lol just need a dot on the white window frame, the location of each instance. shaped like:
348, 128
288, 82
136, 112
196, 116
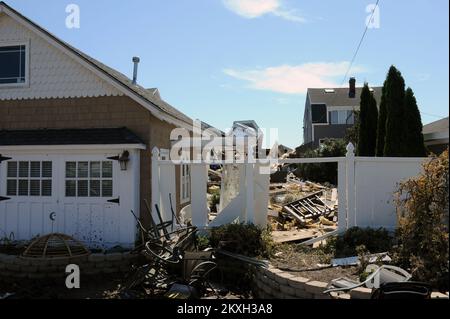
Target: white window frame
29, 178
27, 64
88, 178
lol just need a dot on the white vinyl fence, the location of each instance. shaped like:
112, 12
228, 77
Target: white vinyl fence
366, 187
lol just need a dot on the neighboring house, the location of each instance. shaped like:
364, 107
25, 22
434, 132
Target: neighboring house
435, 135
329, 112
75, 140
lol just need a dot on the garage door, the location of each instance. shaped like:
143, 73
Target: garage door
75, 195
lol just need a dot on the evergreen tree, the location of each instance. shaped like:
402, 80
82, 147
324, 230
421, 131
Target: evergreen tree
368, 119
381, 130
395, 120
414, 143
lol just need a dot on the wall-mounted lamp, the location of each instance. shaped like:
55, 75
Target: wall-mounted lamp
123, 159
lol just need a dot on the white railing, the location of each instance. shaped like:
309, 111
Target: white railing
365, 189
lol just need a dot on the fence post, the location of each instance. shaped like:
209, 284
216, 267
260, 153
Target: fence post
155, 182
249, 196
342, 196
350, 185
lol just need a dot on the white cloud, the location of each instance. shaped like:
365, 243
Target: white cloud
295, 79
255, 8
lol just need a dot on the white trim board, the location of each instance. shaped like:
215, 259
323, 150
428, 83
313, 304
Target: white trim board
30, 148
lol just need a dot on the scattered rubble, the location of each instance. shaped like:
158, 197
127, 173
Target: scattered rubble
301, 211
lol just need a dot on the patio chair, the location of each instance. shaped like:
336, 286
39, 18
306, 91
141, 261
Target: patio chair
196, 266
403, 290
378, 276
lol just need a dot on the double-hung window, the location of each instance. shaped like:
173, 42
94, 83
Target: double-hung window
13, 64
29, 178
341, 117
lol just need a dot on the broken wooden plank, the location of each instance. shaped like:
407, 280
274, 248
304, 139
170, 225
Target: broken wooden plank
292, 235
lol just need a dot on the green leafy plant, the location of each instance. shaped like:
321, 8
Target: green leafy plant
215, 200
244, 239
202, 242
373, 241
423, 217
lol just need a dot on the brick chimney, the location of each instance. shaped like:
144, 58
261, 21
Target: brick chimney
352, 88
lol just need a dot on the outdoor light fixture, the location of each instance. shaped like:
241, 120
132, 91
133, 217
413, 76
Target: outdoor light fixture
123, 159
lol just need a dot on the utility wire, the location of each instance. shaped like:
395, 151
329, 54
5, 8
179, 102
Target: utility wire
359, 44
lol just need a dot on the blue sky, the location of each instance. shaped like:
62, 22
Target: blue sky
227, 60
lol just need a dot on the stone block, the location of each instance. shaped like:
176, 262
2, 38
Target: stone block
287, 290
315, 287
302, 294
283, 277
114, 257
96, 258
298, 282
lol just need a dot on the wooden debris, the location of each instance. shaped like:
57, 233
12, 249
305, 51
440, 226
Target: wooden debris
308, 207
292, 235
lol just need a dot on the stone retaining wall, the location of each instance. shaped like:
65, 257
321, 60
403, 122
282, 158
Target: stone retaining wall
273, 283
13, 266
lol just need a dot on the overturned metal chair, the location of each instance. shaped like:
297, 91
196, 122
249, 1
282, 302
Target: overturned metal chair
163, 246
193, 282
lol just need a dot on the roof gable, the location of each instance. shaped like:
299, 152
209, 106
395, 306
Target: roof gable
339, 97
124, 86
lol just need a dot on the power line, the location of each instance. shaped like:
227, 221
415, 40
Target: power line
359, 44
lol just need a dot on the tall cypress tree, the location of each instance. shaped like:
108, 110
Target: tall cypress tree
381, 129
394, 144
368, 119
414, 143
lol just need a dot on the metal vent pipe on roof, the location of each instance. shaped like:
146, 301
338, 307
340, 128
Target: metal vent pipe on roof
136, 61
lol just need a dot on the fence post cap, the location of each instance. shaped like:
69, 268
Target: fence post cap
350, 149
155, 151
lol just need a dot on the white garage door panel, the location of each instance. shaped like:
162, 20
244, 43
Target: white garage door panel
24, 221
49, 226
84, 222
89, 219
36, 219
11, 221
96, 231
70, 214
111, 223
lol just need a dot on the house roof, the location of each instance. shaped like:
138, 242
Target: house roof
436, 126
114, 75
108, 136
340, 96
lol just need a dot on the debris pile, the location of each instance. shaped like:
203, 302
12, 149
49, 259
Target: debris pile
301, 210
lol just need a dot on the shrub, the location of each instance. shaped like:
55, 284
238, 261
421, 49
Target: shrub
322, 172
373, 240
215, 200
244, 239
422, 204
